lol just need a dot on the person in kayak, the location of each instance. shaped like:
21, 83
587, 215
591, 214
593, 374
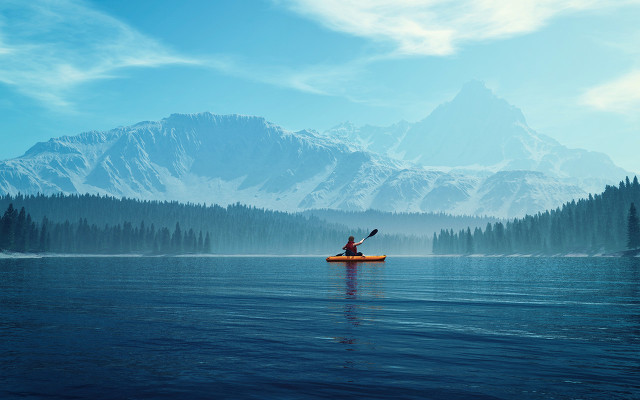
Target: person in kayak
350, 248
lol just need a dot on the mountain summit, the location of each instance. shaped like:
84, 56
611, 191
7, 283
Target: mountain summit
475, 128
478, 130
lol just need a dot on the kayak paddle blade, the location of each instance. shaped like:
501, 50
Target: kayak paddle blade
373, 233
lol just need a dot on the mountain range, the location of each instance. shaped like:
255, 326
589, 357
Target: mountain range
472, 155
478, 131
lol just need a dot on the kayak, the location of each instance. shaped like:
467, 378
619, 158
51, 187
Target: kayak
356, 258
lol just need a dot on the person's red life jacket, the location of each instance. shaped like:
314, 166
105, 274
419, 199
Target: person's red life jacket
352, 247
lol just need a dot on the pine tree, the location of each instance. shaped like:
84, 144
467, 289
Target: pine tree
45, 239
633, 228
435, 244
200, 243
164, 240
20, 232
7, 228
176, 239
207, 243
469, 242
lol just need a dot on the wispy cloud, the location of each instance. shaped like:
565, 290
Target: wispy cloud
48, 48
320, 79
621, 95
437, 27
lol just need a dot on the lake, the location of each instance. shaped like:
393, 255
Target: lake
289, 328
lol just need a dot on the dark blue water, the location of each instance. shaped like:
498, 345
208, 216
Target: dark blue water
441, 328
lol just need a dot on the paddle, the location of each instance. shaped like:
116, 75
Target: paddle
373, 233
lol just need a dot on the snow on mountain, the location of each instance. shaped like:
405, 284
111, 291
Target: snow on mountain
229, 158
479, 131
472, 155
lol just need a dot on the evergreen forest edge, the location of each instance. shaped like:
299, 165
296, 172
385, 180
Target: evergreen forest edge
95, 224
605, 223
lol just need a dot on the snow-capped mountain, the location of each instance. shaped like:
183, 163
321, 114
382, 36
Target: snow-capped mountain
478, 131
225, 159
472, 155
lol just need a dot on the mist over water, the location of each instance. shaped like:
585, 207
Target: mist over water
241, 327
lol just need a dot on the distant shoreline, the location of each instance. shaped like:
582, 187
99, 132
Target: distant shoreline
13, 255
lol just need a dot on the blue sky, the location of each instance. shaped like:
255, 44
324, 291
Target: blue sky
68, 66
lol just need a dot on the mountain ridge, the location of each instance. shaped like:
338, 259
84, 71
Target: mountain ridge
226, 159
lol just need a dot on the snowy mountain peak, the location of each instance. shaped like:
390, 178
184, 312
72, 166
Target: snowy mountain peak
480, 108
475, 89
478, 130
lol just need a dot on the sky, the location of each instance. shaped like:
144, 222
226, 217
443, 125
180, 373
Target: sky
69, 66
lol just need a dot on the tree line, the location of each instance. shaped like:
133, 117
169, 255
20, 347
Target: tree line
606, 222
94, 224
19, 233
416, 223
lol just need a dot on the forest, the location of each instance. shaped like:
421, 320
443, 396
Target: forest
94, 224
601, 224
412, 223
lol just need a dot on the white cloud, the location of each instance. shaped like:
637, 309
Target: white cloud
48, 48
621, 95
437, 27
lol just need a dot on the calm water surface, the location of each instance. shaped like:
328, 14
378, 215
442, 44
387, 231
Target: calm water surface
441, 328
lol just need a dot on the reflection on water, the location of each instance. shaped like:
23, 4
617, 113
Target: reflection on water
356, 287
351, 305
